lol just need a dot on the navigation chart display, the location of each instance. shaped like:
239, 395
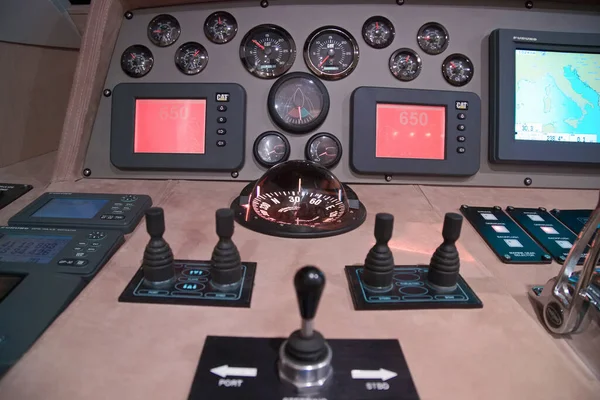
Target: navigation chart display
557, 96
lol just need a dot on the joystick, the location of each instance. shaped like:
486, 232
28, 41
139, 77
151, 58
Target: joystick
445, 262
226, 264
305, 357
157, 264
379, 263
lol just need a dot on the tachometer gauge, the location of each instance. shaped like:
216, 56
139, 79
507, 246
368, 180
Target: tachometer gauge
378, 32
220, 27
405, 64
191, 58
324, 149
433, 38
267, 51
331, 53
164, 30
457, 69
298, 102
137, 61
299, 199
271, 148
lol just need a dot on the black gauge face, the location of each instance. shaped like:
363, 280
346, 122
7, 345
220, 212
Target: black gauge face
191, 58
220, 27
298, 102
324, 149
405, 64
331, 53
137, 61
271, 148
268, 51
164, 30
433, 38
457, 69
378, 32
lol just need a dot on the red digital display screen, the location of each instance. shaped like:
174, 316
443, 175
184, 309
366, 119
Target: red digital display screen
410, 131
170, 126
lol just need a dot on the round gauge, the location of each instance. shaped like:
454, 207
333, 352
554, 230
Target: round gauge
164, 30
405, 64
271, 148
457, 69
267, 51
331, 53
191, 58
324, 149
220, 27
137, 61
299, 199
433, 38
378, 32
298, 102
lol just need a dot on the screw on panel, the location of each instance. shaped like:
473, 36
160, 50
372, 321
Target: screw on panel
388, 178
510, 208
106, 92
464, 207
542, 209
529, 4
546, 257
507, 257
235, 174
497, 208
400, 2
87, 172
527, 181
128, 15
264, 4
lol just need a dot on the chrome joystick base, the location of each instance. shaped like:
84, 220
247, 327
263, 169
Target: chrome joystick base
304, 376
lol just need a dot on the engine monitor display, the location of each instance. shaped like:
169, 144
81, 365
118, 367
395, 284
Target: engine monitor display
70, 208
410, 131
557, 96
170, 126
37, 249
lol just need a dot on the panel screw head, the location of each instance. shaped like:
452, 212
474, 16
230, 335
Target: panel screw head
106, 92
400, 2
542, 209
235, 174
388, 178
510, 208
529, 4
128, 15
264, 4
546, 257
527, 181
507, 257
464, 207
497, 208
87, 172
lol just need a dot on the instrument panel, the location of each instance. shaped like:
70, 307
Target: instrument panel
299, 69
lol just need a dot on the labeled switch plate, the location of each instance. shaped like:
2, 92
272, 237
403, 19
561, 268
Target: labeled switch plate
10, 192
234, 368
410, 290
192, 287
507, 240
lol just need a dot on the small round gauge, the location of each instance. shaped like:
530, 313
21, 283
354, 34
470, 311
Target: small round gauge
433, 38
298, 102
405, 64
457, 69
164, 30
137, 61
268, 51
324, 149
220, 27
331, 53
378, 32
191, 58
271, 148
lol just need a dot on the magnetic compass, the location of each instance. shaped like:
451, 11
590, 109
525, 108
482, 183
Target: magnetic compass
298, 102
299, 199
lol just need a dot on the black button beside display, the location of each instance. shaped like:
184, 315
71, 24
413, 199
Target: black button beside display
222, 108
221, 143
461, 138
221, 131
460, 127
461, 116
460, 150
96, 235
128, 199
221, 120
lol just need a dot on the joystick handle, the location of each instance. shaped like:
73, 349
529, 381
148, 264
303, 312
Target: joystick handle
452, 227
155, 222
309, 283
384, 226
224, 219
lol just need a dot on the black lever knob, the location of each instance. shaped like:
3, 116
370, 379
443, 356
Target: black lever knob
225, 223
384, 226
155, 222
309, 283
452, 227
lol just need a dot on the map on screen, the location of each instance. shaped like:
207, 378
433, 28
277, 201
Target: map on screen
557, 96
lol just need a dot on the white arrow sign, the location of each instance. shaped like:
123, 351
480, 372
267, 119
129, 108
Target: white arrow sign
380, 373
225, 370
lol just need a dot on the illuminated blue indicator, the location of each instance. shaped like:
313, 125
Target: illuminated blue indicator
196, 272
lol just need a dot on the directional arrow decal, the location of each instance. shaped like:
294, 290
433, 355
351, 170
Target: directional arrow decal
380, 373
225, 370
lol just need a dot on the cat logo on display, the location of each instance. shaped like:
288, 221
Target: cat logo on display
223, 97
462, 105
